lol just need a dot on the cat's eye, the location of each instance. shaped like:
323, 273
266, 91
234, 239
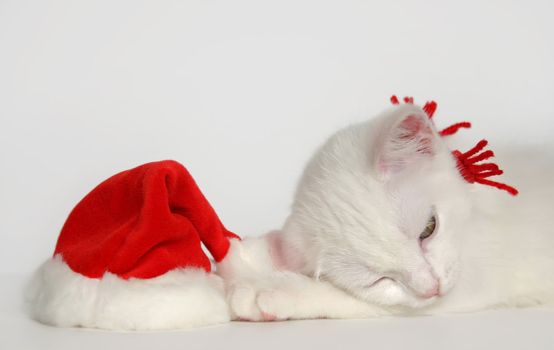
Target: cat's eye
429, 228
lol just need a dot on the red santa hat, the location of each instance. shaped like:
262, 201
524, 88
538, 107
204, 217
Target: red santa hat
142, 223
130, 256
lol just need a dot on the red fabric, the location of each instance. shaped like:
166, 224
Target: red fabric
142, 223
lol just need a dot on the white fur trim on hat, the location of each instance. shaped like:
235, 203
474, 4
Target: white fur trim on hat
181, 298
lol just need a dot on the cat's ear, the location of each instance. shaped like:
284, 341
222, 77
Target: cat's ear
405, 139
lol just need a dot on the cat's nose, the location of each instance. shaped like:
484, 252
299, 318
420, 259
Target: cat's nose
431, 292
423, 282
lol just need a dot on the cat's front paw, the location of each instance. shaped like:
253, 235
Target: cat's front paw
275, 304
242, 302
250, 302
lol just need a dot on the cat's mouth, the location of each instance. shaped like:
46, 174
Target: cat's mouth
389, 280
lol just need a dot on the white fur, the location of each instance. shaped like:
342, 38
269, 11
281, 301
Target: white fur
362, 202
507, 257
359, 209
258, 290
181, 298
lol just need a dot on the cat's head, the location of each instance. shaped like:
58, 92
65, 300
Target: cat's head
380, 211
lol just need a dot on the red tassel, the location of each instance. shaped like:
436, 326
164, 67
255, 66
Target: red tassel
479, 173
452, 129
467, 162
430, 108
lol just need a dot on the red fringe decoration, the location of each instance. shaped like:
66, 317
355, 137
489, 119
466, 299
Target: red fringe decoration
408, 99
452, 129
467, 162
430, 108
473, 172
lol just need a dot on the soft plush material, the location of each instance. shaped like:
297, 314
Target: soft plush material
142, 223
178, 299
130, 256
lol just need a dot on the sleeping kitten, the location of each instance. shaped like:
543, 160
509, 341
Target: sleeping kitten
383, 223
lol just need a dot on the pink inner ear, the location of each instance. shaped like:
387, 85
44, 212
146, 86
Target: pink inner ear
412, 125
415, 129
406, 143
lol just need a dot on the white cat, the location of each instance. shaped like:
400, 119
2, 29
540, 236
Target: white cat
383, 223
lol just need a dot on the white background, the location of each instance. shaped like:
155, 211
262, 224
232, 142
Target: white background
241, 92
